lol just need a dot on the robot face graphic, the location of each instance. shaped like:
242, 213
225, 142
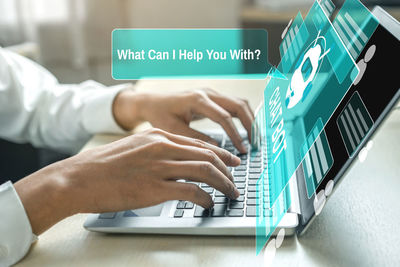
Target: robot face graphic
305, 73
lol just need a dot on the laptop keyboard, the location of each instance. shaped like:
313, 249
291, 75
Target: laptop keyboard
245, 178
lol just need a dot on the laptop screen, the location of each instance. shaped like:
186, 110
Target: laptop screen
366, 103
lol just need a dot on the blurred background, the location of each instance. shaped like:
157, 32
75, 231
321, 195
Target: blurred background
72, 38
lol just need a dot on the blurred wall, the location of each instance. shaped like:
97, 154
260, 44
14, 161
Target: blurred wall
76, 45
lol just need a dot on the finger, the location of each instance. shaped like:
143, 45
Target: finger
204, 172
228, 158
237, 108
190, 192
216, 113
183, 129
191, 153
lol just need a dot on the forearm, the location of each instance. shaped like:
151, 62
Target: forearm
47, 197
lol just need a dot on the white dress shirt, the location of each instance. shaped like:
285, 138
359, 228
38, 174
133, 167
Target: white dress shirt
35, 108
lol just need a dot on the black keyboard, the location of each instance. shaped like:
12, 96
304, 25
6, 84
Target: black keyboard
245, 177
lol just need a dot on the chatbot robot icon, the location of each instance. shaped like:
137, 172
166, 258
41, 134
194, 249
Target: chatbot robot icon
306, 70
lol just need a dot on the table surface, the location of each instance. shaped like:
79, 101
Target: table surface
358, 226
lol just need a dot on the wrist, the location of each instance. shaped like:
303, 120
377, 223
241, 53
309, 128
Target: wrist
47, 197
128, 109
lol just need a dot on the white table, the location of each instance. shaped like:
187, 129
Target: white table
358, 226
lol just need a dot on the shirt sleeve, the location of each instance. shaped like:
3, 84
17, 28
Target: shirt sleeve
35, 108
15, 229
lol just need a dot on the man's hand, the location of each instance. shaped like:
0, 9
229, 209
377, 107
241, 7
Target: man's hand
174, 112
135, 172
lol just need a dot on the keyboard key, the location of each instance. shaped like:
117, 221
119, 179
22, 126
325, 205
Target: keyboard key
256, 159
209, 190
251, 202
240, 185
251, 188
201, 212
241, 191
219, 194
230, 149
129, 213
189, 205
252, 182
107, 215
235, 213
178, 213
243, 157
251, 194
239, 174
239, 179
181, 204
253, 176
239, 199
219, 200
254, 170
236, 205
251, 211
255, 165
229, 146
267, 213
203, 185
218, 210
241, 168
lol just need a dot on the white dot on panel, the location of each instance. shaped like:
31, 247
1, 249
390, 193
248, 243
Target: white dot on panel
370, 145
370, 53
269, 252
319, 202
329, 187
279, 238
363, 155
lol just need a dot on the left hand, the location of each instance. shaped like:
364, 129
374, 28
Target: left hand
174, 112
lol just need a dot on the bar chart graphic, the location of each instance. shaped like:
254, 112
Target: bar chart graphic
354, 122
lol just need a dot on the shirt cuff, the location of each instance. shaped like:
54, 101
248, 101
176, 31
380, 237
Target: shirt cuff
15, 228
97, 113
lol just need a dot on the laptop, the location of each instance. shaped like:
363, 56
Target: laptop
376, 94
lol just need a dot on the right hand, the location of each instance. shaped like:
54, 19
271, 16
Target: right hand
142, 170
135, 172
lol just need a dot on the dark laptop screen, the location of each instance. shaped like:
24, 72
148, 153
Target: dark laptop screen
361, 109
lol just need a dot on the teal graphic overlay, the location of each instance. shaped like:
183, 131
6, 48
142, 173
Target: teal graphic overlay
293, 51
290, 35
355, 25
328, 7
354, 122
299, 99
323, 73
189, 53
318, 160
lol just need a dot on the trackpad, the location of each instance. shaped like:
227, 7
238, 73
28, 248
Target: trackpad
149, 212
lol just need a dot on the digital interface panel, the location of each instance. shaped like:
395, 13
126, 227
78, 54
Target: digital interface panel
303, 93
